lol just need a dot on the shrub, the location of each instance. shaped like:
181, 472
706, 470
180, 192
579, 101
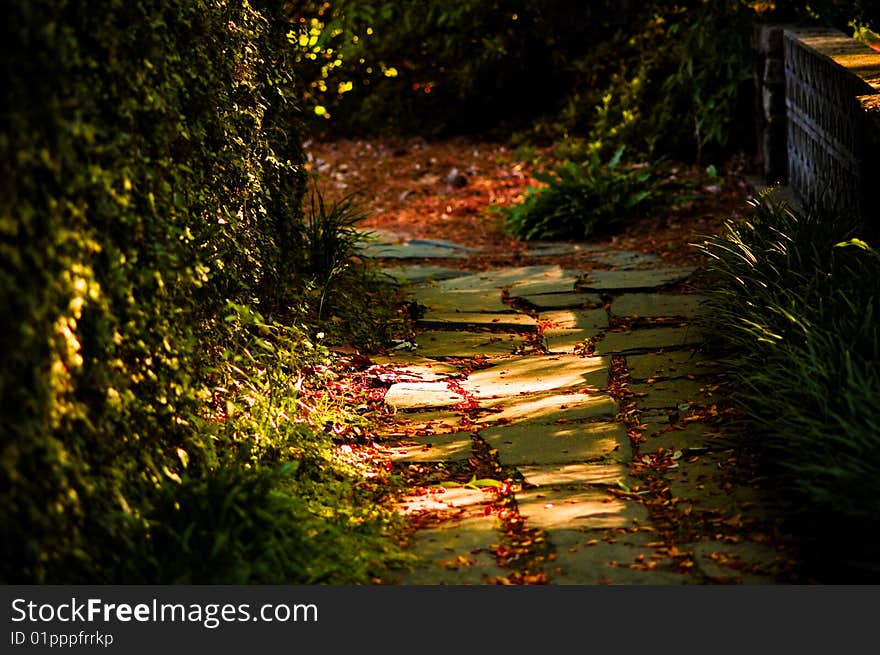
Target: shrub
622, 73
793, 308
580, 200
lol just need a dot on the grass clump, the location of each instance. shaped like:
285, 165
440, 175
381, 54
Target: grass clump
793, 310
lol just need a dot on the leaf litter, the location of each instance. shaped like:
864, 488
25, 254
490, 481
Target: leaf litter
404, 190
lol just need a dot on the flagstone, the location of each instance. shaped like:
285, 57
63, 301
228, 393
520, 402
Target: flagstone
413, 395
457, 552
544, 301
549, 407
446, 299
434, 448
504, 277
699, 483
586, 558
449, 320
652, 421
469, 282
590, 508
409, 250
589, 319
565, 341
467, 344
557, 249
440, 500
551, 416
419, 274
563, 284
669, 393
408, 424
674, 364
685, 437
575, 474
528, 375
409, 367
654, 305
441, 243
484, 281
744, 562
619, 281
624, 258
647, 339
534, 443
378, 235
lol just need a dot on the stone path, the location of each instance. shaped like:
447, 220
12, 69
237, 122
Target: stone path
585, 391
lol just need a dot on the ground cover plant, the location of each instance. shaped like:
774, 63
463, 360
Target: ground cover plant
793, 309
167, 404
580, 200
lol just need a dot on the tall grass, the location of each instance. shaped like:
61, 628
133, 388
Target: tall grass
794, 311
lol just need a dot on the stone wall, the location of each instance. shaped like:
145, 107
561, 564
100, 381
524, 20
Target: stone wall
819, 116
770, 103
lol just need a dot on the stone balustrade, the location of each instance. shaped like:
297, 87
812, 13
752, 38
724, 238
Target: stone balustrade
819, 116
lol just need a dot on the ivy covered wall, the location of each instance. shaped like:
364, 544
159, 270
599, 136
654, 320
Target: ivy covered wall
150, 172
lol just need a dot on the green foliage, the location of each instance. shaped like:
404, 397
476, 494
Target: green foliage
152, 178
710, 80
674, 81
863, 33
359, 309
330, 234
441, 66
279, 504
581, 200
622, 73
266, 525
834, 13
794, 310
672, 78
